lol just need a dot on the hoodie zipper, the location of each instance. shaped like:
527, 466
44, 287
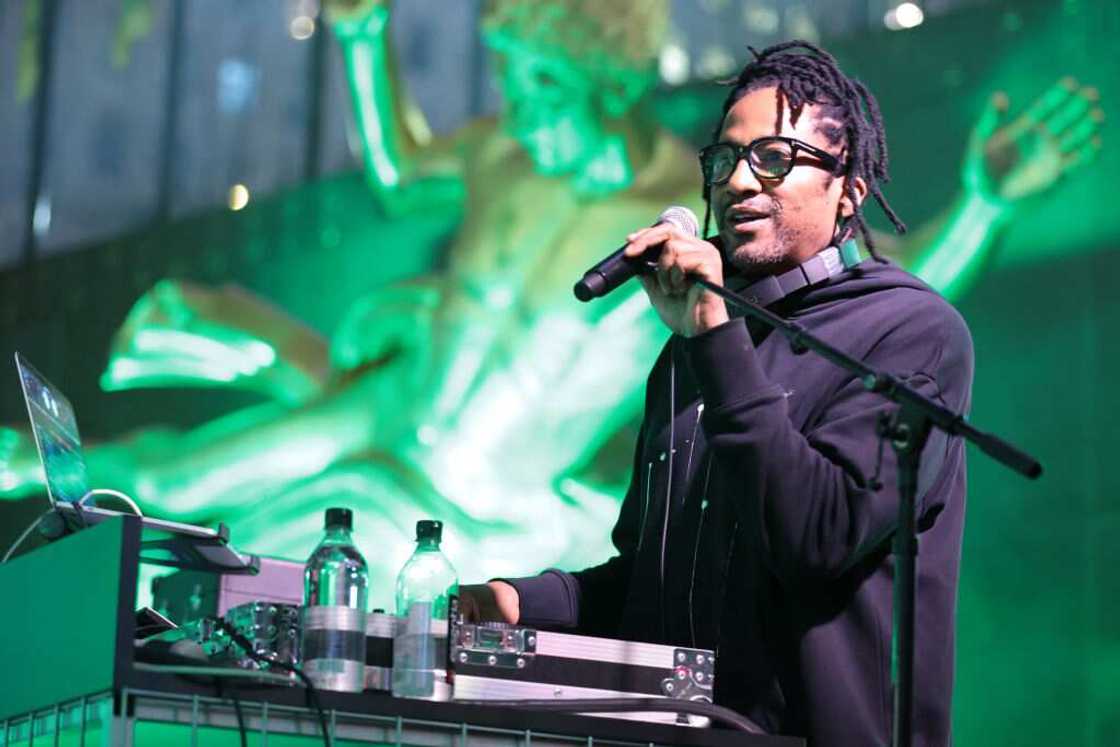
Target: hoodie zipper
669, 476
696, 550
645, 505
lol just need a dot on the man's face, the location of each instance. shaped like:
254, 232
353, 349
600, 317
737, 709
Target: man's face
549, 108
775, 224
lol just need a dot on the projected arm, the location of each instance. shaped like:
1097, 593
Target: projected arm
253, 452
402, 167
235, 460
180, 334
1006, 162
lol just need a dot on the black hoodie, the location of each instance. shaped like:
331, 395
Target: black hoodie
750, 525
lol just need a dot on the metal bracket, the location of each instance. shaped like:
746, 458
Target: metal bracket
693, 674
493, 645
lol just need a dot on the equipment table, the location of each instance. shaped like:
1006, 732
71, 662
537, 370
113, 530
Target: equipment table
67, 646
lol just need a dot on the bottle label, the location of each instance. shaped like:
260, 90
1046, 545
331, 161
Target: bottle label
336, 674
331, 617
416, 665
333, 647
319, 643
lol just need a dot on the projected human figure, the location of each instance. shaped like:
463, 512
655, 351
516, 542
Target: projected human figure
483, 395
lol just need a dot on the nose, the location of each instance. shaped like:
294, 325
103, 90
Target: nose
743, 180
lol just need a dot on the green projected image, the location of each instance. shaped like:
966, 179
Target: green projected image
481, 393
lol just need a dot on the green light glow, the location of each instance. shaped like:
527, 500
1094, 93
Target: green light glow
954, 259
483, 395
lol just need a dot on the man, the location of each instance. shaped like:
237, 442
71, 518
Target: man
760, 510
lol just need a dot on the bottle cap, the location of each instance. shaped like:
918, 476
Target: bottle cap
429, 529
339, 518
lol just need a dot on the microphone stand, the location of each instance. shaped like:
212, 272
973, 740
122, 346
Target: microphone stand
908, 429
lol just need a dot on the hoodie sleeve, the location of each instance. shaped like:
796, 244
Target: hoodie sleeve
810, 492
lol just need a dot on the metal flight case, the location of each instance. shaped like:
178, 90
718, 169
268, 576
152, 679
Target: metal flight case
494, 661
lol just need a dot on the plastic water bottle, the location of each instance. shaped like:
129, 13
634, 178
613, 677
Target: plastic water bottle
424, 588
335, 592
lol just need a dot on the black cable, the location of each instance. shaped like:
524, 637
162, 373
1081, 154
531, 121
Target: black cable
312, 696
240, 720
219, 687
618, 705
312, 693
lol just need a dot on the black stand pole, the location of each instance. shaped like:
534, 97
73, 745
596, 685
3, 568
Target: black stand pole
908, 431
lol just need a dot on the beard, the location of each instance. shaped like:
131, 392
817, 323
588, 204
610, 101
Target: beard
772, 245
757, 254
765, 250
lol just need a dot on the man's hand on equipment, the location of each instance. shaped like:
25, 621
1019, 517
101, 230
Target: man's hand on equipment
495, 601
686, 307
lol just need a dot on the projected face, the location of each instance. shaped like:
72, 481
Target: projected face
550, 105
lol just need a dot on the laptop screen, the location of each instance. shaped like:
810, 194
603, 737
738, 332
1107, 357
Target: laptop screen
56, 435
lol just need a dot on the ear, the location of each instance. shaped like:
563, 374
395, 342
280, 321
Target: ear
847, 208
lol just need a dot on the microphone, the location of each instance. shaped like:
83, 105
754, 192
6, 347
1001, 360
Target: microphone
616, 269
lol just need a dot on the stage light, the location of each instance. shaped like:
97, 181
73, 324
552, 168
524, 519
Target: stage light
715, 62
903, 16
673, 64
761, 17
41, 217
302, 27
238, 196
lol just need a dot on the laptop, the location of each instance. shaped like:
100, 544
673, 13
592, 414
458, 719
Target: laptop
55, 429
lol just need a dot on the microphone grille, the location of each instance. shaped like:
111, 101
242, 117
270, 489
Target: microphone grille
682, 218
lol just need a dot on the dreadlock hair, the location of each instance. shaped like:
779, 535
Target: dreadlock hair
813, 77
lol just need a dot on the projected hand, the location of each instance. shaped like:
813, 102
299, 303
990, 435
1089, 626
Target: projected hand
20, 471
1010, 159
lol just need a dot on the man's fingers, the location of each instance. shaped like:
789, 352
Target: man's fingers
682, 260
671, 278
649, 283
663, 283
639, 241
468, 609
677, 280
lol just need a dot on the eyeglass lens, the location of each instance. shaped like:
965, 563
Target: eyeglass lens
767, 158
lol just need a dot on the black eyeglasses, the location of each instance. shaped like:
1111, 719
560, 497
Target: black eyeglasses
769, 157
